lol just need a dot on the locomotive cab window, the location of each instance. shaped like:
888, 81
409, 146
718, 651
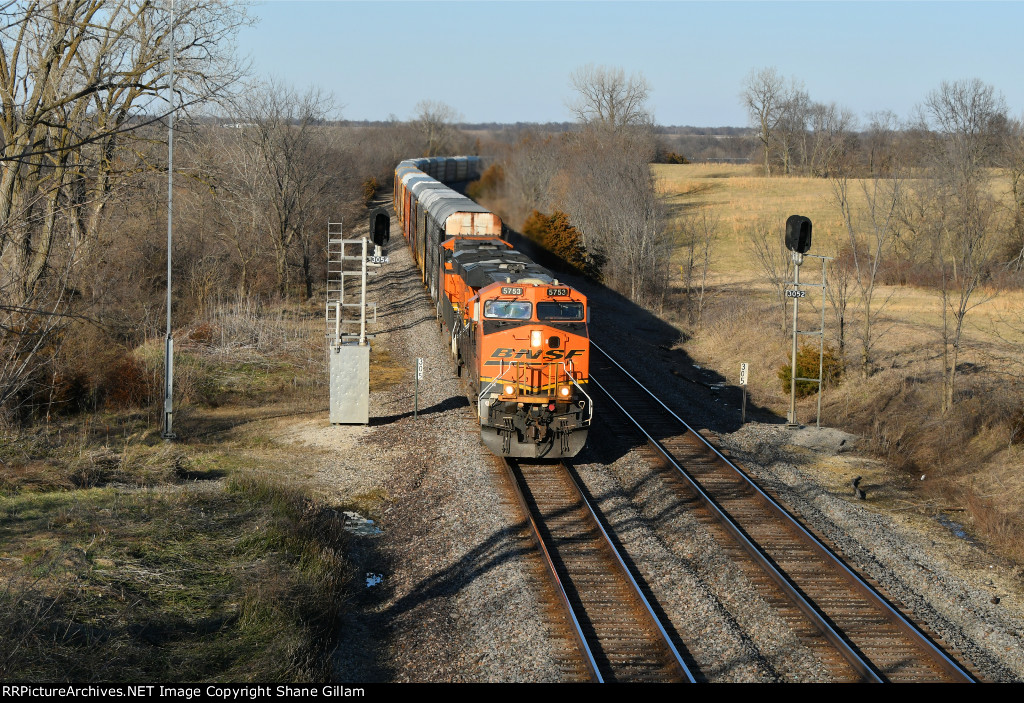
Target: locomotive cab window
508, 310
559, 311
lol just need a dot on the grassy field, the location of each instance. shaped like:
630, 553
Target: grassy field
740, 197
218, 557
974, 450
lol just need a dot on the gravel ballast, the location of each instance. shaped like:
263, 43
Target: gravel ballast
955, 585
457, 597
461, 597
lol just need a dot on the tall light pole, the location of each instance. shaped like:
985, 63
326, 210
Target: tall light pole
168, 428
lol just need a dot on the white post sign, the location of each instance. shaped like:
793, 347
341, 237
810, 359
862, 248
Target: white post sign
744, 367
419, 377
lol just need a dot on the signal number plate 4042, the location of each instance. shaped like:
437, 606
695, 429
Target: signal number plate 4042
796, 293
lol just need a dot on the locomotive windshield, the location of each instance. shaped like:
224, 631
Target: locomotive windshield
508, 309
559, 311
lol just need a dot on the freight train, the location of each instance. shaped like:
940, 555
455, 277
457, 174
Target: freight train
517, 332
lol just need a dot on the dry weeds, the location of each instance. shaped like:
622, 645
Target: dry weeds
217, 557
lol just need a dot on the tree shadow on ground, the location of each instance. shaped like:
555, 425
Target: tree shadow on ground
367, 629
362, 629
649, 348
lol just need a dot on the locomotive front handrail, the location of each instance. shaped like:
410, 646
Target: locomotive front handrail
485, 392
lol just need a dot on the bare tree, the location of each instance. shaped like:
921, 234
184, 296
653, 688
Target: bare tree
238, 174
766, 243
607, 99
880, 142
281, 145
436, 122
870, 232
1011, 157
530, 168
791, 127
374, 151
832, 140
765, 95
964, 118
700, 234
962, 121
839, 290
78, 78
607, 189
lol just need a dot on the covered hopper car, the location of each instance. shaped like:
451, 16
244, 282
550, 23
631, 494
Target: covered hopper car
518, 333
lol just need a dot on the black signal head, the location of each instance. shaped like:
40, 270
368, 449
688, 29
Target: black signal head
798, 234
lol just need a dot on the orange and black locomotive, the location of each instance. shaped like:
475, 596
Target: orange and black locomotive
518, 333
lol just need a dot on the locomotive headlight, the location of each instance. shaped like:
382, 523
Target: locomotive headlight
564, 391
535, 338
510, 389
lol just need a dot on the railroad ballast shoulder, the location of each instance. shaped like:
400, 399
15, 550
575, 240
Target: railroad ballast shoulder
519, 334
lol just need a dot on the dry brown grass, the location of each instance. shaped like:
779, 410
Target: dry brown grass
126, 558
741, 197
386, 370
238, 581
969, 454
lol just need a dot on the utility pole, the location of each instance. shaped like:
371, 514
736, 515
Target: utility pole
168, 428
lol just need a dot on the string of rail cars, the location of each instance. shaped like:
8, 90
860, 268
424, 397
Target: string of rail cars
519, 332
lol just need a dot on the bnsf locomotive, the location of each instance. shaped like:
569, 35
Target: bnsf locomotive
518, 332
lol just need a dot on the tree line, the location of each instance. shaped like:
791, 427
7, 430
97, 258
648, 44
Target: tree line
260, 167
796, 134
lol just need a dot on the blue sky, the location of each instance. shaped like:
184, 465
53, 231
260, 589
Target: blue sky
510, 61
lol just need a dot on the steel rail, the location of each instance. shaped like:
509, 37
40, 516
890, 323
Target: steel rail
812, 611
553, 573
851, 655
632, 581
607, 542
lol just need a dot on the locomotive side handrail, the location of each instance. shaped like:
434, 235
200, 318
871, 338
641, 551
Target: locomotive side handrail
590, 402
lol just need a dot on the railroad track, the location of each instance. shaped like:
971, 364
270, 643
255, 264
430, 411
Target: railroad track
618, 632
828, 604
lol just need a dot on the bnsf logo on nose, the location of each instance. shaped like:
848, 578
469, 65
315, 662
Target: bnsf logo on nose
507, 353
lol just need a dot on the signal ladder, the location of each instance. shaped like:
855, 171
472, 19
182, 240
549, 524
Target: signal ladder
347, 268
